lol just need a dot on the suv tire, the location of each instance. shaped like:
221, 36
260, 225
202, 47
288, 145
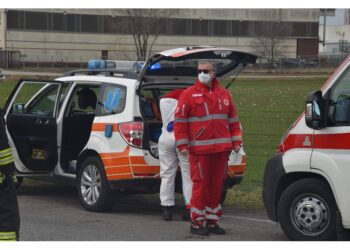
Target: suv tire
307, 211
94, 192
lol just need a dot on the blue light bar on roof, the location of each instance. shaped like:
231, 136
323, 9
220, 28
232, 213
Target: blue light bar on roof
96, 64
155, 66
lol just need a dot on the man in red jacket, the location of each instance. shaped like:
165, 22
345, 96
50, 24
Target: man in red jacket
207, 128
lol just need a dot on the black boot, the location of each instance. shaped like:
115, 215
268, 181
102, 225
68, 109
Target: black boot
168, 212
215, 229
201, 231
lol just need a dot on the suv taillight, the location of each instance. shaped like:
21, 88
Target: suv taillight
132, 133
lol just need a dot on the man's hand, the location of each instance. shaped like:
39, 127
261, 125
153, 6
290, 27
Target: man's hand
184, 152
236, 148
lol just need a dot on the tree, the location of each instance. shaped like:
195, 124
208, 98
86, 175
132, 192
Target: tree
269, 42
145, 26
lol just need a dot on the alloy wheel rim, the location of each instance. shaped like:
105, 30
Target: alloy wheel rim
91, 184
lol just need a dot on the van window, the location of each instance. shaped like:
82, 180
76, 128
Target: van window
111, 100
339, 111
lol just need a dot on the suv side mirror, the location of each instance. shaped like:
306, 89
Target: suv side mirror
315, 117
19, 108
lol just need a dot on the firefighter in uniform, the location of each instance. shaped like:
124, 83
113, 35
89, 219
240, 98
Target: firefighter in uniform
207, 128
9, 212
170, 159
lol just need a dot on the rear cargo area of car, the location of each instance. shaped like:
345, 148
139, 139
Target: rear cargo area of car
150, 111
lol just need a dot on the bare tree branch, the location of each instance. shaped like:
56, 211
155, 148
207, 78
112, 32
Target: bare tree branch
145, 26
269, 41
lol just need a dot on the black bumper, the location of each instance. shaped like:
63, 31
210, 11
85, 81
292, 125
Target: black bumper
232, 181
274, 171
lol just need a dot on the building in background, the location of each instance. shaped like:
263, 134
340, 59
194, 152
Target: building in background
77, 35
335, 35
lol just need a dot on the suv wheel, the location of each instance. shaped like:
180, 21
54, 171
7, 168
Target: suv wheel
94, 192
306, 211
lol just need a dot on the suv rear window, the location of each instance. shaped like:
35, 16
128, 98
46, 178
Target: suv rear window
111, 100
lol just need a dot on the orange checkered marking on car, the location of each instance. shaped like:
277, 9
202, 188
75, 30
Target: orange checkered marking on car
137, 160
114, 177
117, 165
100, 127
137, 169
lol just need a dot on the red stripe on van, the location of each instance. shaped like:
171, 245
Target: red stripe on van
332, 141
323, 141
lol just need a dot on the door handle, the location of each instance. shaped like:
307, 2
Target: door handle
42, 121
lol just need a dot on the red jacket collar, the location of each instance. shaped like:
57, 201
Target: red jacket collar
200, 86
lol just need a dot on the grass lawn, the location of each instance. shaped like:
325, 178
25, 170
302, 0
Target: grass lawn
266, 107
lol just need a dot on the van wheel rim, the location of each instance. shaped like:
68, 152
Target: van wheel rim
91, 184
310, 214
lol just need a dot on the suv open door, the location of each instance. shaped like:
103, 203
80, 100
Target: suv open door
30, 115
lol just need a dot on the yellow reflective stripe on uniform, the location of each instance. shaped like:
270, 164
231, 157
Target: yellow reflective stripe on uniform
210, 142
7, 160
7, 235
236, 138
181, 142
233, 120
6, 152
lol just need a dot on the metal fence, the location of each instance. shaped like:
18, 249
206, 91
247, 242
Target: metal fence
14, 59
10, 59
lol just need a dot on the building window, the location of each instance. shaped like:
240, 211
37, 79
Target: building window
15, 19
89, 23
200, 27
59, 22
300, 29
240, 28
36, 20
179, 26
73, 23
104, 54
220, 27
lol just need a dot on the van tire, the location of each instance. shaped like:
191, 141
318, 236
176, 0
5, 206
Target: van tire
105, 200
307, 211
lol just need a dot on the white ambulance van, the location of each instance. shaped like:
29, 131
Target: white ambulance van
306, 184
99, 129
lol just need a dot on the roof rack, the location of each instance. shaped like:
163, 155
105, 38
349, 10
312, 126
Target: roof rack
106, 72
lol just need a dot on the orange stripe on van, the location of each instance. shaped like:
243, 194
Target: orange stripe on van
109, 162
116, 154
145, 169
99, 127
118, 170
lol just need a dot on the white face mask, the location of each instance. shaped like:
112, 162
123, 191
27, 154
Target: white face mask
204, 78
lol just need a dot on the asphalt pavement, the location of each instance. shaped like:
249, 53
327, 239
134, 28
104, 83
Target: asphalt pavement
51, 212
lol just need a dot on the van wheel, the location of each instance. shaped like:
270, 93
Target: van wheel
307, 211
94, 192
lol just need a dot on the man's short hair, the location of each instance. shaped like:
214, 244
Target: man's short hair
208, 62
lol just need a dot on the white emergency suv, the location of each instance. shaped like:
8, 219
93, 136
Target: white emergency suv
306, 184
98, 129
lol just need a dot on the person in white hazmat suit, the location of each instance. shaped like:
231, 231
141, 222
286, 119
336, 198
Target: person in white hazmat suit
170, 159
